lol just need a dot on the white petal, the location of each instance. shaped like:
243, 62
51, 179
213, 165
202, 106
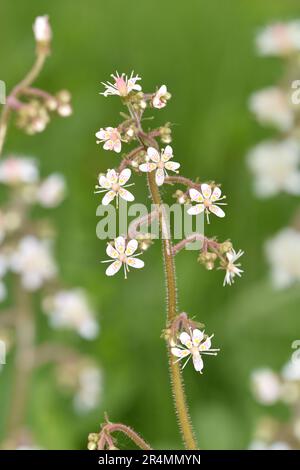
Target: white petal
153, 154
197, 361
117, 146
113, 268
127, 195
101, 134
195, 195
159, 176
131, 247
197, 209
147, 167
120, 244
167, 154
180, 352
186, 339
112, 176
135, 263
216, 194
217, 211
109, 144
108, 198
205, 345
103, 182
206, 190
124, 176
111, 252
197, 337
173, 166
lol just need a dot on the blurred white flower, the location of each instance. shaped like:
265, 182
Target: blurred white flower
208, 199
283, 254
113, 184
123, 254
122, 85
17, 170
279, 39
271, 106
160, 163
195, 345
52, 190
70, 309
261, 445
33, 260
89, 391
291, 371
275, 165
161, 97
42, 30
232, 267
265, 386
111, 138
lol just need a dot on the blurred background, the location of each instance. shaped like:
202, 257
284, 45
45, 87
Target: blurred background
204, 52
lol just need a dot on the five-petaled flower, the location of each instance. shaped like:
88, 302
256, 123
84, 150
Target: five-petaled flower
111, 138
114, 183
122, 85
160, 98
160, 163
208, 200
122, 253
232, 268
194, 345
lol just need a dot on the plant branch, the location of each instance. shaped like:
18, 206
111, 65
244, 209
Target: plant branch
109, 428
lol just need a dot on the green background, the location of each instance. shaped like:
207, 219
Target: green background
204, 52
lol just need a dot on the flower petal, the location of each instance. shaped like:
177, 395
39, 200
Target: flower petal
197, 337
173, 166
195, 195
197, 361
112, 176
160, 176
217, 210
180, 352
147, 167
216, 194
113, 268
153, 154
124, 176
127, 195
108, 198
197, 209
120, 244
103, 182
109, 144
135, 263
167, 154
131, 247
205, 345
117, 146
186, 339
206, 190
101, 135
111, 251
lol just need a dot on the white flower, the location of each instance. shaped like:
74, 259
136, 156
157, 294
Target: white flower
291, 370
70, 309
160, 98
33, 260
194, 347
275, 166
232, 268
208, 200
271, 107
122, 85
89, 390
114, 183
123, 254
42, 30
160, 163
15, 170
279, 39
52, 190
283, 254
266, 386
112, 138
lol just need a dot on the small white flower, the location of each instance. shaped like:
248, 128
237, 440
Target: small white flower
122, 85
160, 163
123, 254
208, 200
15, 170
275, 166
89, 391
33, 260
283, 254
111, 138
114, 183
52, 191
161, 97
271, 106
42, 30
266, 386
279, 39
195, 345
291, 370
70, 309
232, 268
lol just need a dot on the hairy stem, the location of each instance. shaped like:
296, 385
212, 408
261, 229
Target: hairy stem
109, 428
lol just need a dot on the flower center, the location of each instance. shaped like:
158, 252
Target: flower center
160, 165
121, 86
123, 258
115, 187
207, 203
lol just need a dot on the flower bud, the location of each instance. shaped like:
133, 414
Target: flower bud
225, 247
42, 31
